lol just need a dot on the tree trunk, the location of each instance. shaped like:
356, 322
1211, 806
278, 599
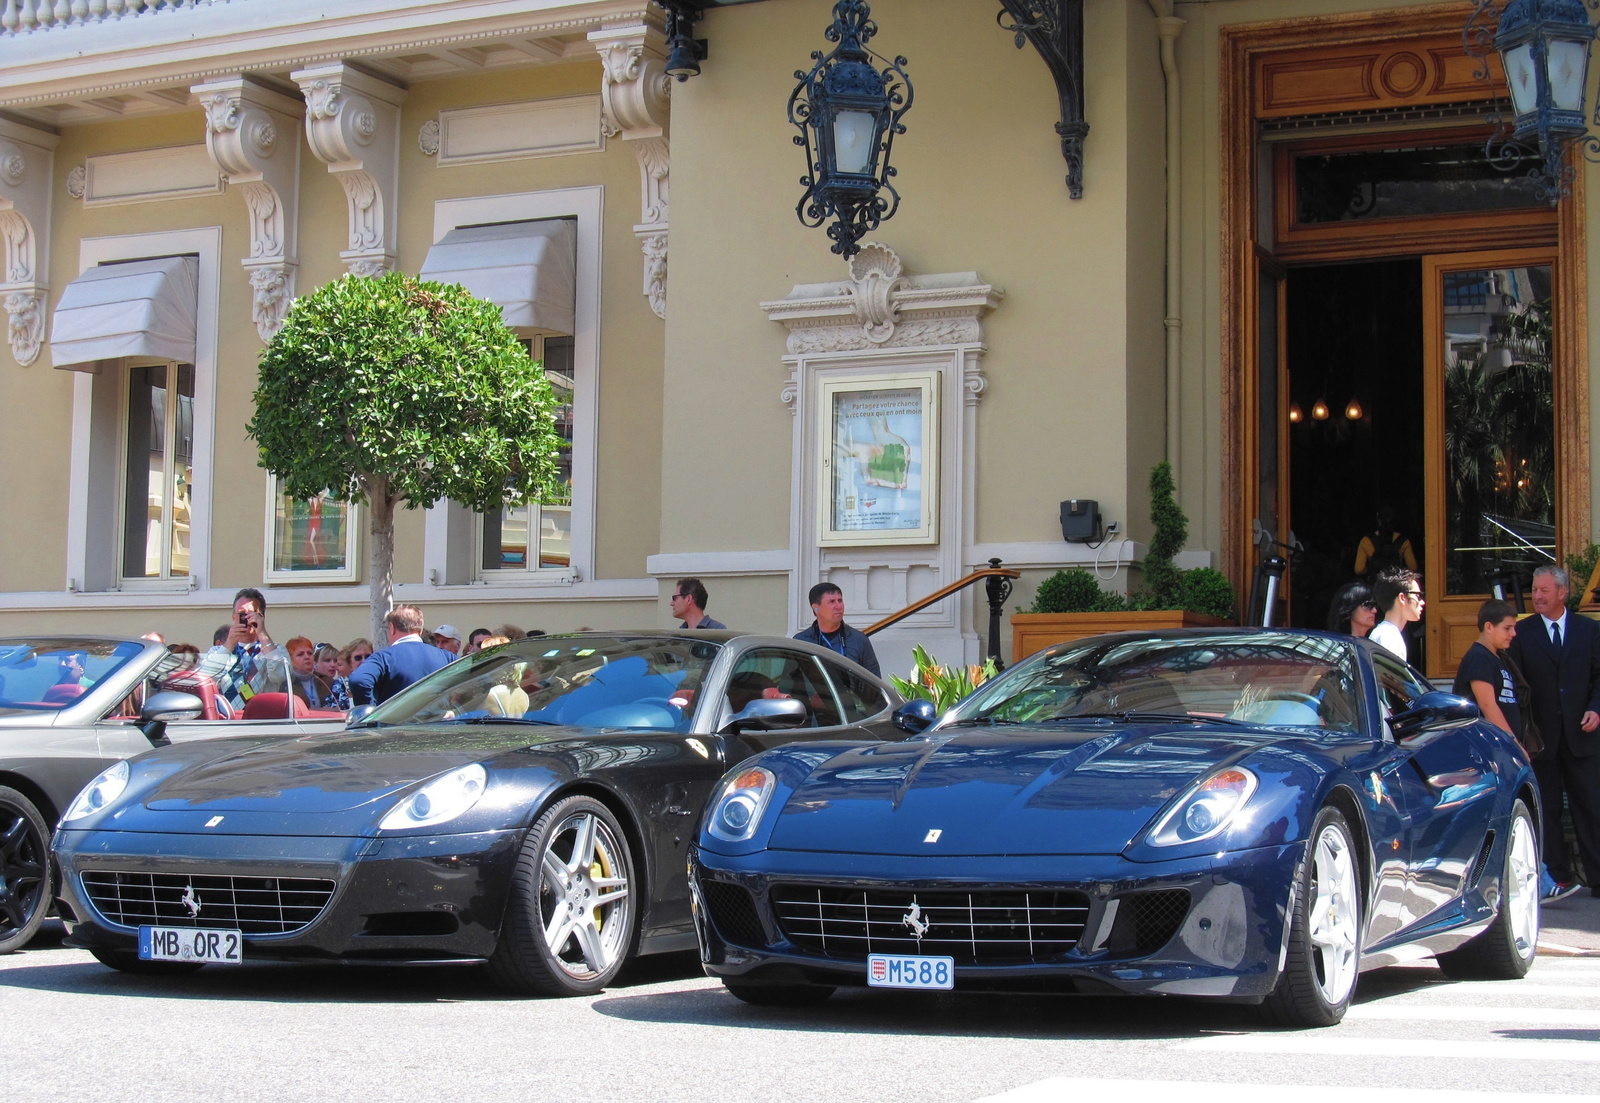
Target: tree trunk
381, 555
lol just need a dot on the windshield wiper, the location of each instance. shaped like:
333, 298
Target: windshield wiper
1137, 717
987, 721
498, 720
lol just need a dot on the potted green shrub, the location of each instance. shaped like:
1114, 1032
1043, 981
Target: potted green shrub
1070, 604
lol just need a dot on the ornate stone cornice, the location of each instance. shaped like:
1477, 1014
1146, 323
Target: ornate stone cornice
353, 126
881, 307
635, 103
27, 163
253, 135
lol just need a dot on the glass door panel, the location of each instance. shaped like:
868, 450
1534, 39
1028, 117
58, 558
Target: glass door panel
1491, 433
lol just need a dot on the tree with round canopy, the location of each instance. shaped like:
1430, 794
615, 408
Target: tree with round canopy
391, 390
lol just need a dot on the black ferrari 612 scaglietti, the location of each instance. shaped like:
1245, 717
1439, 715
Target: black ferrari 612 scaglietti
1254, 814
530, 806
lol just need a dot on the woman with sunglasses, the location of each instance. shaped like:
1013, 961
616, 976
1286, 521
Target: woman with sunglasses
1353, 612
1398, 593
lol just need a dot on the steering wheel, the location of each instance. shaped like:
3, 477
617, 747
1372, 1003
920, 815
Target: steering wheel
1294, 696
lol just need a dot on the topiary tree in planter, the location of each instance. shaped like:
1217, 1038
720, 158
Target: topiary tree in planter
394, 391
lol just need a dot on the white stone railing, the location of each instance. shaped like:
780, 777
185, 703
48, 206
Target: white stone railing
22, 16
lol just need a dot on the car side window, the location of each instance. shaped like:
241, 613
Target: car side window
861, 699
776, 672
1397, 686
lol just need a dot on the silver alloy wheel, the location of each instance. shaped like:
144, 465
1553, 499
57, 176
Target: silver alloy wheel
1333, 915
584, 896
1521, 893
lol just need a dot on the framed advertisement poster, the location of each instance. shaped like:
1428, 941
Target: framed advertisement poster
310, 541
880, 460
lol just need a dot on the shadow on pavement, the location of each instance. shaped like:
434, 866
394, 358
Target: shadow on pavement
294, 982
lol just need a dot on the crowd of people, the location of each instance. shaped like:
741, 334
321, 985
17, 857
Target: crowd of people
1537, 678
244, 660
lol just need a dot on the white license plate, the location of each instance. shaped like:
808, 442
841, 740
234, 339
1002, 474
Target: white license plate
212, 946
908, 971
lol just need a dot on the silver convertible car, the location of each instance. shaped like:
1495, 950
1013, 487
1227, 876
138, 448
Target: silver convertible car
70, 706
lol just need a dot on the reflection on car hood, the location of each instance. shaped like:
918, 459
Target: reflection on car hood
343, 771
1012, 790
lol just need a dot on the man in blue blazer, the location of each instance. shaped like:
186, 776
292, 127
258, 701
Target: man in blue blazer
407, 659
1560, 656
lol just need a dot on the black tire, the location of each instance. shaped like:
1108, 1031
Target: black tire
24, 870
590, 950
1506, 949
778, 995
126, 962
1319, 978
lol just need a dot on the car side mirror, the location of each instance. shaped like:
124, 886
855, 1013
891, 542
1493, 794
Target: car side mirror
162, 708
768, 714
916, 716
1435, 711
358, 714
169, 705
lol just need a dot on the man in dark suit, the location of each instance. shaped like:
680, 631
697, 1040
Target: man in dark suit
407, 659
1560, 656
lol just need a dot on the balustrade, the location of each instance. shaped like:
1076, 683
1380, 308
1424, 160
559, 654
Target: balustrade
23, 16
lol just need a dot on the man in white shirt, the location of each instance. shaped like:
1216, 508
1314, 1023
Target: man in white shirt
1399, 594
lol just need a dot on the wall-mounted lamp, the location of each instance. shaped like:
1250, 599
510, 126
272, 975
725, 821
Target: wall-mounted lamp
1319, 412
1296, 415
1353, 411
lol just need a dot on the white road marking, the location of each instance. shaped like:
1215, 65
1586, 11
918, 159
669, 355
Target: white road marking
1322, 1045
1392, 1011
1068, 1089
1502, 989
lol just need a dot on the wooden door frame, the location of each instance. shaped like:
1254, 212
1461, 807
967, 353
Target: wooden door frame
1437, 622
1246, 47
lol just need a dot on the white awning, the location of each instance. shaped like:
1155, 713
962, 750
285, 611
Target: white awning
135, 308
528, 269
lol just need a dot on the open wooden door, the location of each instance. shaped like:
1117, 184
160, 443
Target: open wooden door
1489, 422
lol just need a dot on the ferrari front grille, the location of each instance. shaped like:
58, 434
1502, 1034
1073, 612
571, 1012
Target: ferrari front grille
976, 927
251, 905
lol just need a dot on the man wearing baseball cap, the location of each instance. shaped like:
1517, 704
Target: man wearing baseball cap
448, 637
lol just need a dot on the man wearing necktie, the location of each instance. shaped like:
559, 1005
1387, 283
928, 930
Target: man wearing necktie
1559, 654
246, 662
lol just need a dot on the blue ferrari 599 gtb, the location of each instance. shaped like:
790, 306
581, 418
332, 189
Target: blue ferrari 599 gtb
1251, 814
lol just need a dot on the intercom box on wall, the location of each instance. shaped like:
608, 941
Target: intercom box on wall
1080, 520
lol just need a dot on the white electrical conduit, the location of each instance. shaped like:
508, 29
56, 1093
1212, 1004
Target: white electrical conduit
1169, 26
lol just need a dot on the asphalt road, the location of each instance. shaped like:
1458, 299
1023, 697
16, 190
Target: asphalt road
75, 1030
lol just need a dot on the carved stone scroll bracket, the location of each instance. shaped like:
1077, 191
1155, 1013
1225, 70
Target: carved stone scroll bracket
25, 312
253, 135
353, 126
27, 163
635, 103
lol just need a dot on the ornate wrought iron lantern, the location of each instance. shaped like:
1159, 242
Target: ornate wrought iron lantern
848, 113
1544, 49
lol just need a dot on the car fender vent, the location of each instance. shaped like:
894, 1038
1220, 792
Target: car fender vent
733, 913
1146, 921
1481, 861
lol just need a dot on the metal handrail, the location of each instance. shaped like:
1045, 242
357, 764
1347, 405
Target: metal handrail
997, 584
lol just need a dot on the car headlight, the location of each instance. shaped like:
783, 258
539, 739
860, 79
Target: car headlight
738, 808
1207, 810
442, 799
100, 793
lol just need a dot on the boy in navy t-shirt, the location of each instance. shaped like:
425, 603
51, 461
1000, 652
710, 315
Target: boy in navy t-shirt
1483, 677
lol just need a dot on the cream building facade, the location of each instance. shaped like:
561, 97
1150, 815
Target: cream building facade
1063, 345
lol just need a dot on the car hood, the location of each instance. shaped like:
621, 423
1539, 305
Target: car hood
1003, 791
340, 772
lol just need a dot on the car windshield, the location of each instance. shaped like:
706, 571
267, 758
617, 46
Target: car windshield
586, 681
1263, 679
47, 675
